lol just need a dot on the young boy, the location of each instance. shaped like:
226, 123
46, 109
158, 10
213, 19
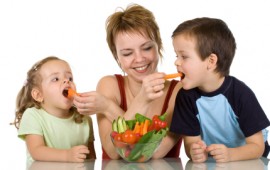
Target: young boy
217, 114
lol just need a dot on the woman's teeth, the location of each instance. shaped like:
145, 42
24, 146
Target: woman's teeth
141, 68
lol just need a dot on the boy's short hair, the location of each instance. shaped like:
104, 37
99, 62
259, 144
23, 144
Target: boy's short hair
212, 36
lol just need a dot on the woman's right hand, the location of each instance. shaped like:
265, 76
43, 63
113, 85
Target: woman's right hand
152, 86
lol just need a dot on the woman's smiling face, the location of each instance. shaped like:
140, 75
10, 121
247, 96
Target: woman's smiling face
137, 54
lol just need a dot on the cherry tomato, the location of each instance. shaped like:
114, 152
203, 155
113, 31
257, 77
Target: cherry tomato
118, 141
129, 137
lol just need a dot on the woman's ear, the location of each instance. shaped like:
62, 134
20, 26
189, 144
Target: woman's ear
37, 95
212, 61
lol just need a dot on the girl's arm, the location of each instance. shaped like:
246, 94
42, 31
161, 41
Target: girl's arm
40, 152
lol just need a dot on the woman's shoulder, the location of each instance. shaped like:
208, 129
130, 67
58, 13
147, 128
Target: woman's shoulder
106, 84
108, 79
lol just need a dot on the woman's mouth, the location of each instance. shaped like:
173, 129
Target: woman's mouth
141, 68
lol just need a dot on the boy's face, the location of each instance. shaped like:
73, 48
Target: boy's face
188, 61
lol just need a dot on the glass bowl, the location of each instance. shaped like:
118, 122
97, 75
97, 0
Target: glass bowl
138, 152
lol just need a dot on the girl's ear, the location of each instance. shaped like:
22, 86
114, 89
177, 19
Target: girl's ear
37, 95
212, 61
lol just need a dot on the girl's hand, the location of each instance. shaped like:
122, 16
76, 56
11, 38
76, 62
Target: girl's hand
219, 152
152, 86
77, 153
90, 103
198, 152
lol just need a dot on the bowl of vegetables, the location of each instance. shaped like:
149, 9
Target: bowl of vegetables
137, 140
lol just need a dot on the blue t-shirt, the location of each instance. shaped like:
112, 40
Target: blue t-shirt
226, 116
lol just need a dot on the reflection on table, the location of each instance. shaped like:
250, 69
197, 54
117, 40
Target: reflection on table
40, 165
166, 164
256, 164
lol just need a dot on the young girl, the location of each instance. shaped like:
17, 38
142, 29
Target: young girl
46, 119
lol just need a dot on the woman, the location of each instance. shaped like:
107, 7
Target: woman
134, 40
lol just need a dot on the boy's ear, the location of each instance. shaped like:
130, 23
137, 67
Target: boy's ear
37, 95
212, 61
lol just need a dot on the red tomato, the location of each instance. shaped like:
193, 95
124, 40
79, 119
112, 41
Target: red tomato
114, 133
129, 137
118, 141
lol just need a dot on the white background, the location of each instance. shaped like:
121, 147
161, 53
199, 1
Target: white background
75, 31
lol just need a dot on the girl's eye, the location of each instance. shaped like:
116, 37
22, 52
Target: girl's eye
70, 79
55, 79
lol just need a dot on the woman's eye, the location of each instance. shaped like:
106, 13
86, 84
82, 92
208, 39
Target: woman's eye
148, 48
126, 54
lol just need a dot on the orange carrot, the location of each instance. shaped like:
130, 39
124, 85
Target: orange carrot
145, 126
137, 128
141, 130
171, 76
71, 93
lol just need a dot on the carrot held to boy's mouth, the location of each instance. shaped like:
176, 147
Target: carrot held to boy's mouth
174, 75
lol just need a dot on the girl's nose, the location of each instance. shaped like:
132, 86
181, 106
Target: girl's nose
66, 81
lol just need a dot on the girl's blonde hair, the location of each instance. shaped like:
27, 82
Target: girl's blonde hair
24, 97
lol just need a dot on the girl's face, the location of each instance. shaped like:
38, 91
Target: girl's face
56, 76
137, 54
189, 62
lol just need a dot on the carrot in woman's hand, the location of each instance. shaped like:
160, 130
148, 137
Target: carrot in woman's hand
69, 93
171, 76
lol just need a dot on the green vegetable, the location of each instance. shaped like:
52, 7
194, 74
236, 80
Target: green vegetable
141, 118
147, 144
163, 117
131, 123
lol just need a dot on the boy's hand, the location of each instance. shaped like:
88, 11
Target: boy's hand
198, 152
77, 153
219, 152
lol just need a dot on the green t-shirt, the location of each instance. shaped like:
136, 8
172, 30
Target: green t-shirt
57, 132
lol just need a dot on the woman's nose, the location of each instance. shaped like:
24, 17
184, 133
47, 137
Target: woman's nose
139, 57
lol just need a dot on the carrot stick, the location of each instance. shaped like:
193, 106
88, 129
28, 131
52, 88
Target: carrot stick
137, 128
141, 130
171, 76
145, 126
71, 93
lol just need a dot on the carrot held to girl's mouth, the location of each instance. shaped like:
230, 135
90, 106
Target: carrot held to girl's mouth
69, 93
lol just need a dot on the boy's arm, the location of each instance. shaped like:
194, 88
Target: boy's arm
195, 148
39, 151
253, 149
